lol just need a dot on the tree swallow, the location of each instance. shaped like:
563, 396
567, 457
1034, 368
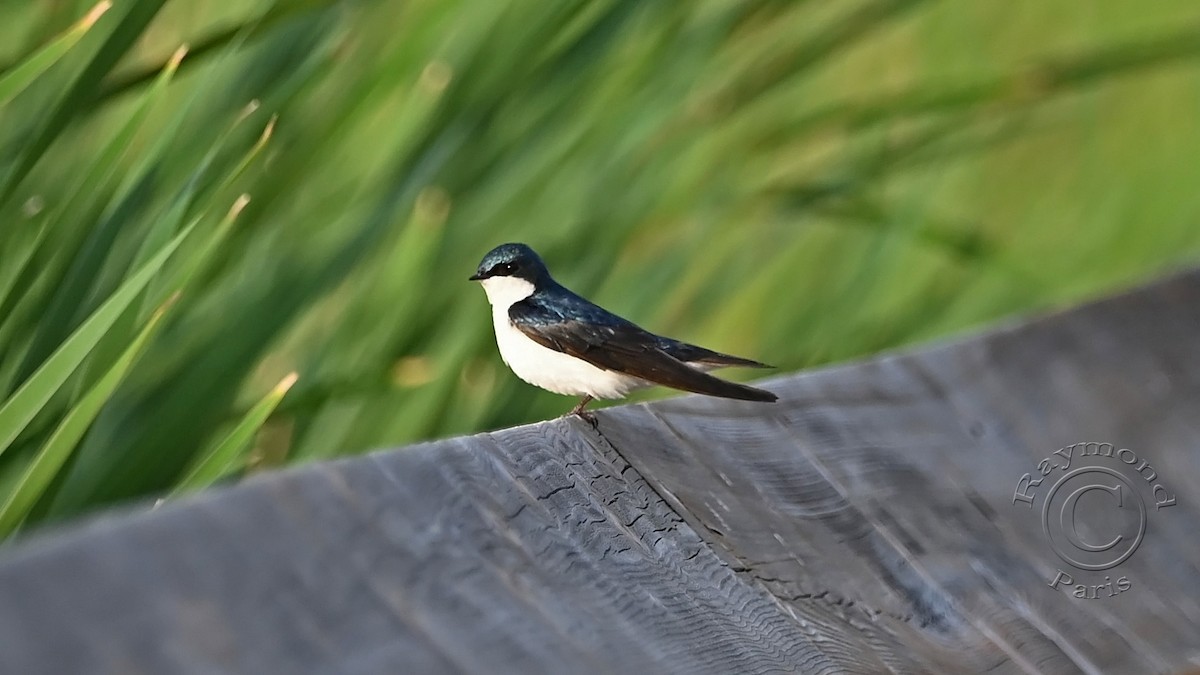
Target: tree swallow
556, 340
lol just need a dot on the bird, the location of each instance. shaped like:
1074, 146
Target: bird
559, 341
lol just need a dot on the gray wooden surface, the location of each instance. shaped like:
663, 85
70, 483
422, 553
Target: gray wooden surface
863, 524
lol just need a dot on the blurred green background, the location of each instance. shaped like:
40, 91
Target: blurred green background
798, 182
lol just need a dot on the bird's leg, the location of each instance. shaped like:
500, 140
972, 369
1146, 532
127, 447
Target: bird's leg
579, 410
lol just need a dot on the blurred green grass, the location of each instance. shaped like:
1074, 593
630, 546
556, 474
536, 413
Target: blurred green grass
797, 182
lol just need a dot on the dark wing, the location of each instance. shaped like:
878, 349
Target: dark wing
585, 331
697, 354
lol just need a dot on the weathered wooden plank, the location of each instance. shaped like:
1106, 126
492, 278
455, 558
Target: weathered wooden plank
890, 484
863, 524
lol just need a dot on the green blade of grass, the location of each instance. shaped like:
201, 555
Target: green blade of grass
51, 457
28, 400
102, 170
166, 225
17, 260
20, 76
225, 455
81, 251
193, 262
189, 261
83, 89
274, 82
218, 42
197, 262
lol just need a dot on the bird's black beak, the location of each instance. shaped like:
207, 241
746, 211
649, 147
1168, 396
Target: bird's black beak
477, 277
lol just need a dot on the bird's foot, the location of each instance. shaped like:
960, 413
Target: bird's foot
585, 415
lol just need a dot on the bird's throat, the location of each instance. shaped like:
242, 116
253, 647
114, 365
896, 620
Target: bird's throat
502, 292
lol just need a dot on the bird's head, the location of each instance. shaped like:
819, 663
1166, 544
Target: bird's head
510, 272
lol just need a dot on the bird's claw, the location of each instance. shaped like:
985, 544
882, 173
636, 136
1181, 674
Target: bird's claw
587, 416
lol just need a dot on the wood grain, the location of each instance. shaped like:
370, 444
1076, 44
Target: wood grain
863, 524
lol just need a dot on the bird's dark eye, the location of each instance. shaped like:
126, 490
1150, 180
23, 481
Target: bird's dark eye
505, 268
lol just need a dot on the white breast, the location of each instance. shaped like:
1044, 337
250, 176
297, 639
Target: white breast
541, 366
